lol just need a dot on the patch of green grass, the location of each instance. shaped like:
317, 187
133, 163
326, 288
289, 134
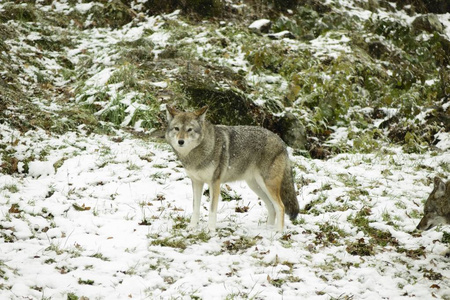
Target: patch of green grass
127, 75
55, 248
413, 253
314, 206
72, 296
180, 223
3, 266
240, 244
431, 274
361, 247
400, 205
12, 188
329, 234
299, 221
176, 241
159, 166
138, 51
115, 112
348, 180
133, 167
377, 237
445, 167
201, 237
86, 281
50, 261
368, 141
100, 256
446, 237
415, 214
226, 194
357, 193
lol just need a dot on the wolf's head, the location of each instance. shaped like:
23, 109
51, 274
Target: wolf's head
437, 206
185, 129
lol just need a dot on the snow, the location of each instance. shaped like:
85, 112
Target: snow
330, 46
40, 168
77, 228
444, 141
85, 7
101, 78
160, 84
259, 23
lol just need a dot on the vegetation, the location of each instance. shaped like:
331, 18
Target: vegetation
388, 66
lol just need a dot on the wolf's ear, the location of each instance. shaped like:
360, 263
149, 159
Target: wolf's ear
439, 187
201, 113
171, 112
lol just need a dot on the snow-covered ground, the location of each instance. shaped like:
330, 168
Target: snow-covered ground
105, 218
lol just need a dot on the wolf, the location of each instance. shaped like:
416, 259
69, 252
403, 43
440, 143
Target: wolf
215, 154
437, 206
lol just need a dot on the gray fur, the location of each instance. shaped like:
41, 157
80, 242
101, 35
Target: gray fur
437, 206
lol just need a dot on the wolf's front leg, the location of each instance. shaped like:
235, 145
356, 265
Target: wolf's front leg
214, 194
197, 189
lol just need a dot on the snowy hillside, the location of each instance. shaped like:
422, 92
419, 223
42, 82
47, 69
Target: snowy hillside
94, 204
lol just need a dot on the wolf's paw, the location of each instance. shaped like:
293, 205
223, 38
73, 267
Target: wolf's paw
193, 224
211, 227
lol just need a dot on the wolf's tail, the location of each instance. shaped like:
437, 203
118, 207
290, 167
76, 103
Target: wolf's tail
288, 195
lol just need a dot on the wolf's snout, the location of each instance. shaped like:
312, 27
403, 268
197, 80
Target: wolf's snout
181, 142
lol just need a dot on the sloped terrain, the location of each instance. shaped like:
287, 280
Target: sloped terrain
95, 205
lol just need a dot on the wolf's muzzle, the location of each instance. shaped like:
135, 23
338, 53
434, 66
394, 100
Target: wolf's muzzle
181, 142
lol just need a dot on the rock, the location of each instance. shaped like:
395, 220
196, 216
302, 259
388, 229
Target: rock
261, 26
424, 6
429, 23
281, 35
291, 131
445, 44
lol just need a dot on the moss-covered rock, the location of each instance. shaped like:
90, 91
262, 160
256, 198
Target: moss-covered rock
19, 12
429, 23
424, 6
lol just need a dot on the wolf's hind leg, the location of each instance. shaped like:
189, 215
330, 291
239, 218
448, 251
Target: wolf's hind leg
254, 186
275, 196
271, 183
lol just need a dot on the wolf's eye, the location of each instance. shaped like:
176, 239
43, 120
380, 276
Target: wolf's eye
176, 128
189, 130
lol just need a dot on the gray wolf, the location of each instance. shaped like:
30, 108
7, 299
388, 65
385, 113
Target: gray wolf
437, 207
215, 154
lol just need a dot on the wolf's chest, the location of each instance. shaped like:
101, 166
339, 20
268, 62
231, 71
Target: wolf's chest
204, 174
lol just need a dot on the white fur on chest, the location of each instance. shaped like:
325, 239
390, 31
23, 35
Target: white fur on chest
204, 175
